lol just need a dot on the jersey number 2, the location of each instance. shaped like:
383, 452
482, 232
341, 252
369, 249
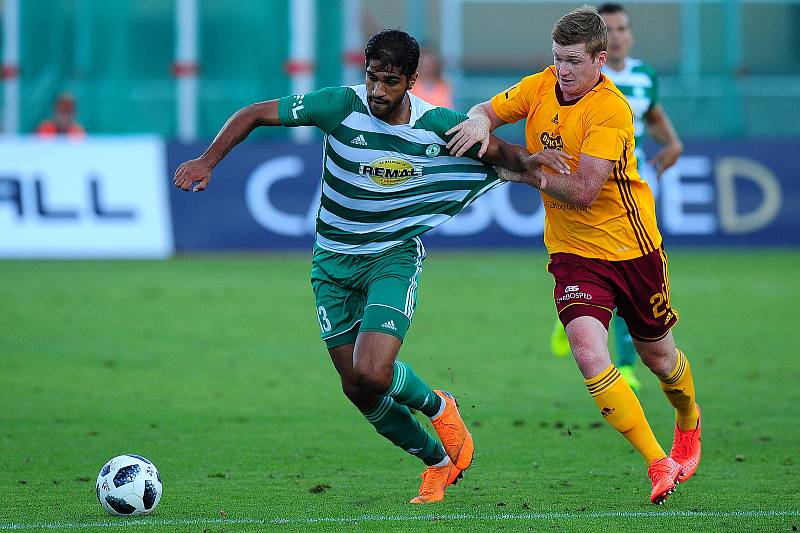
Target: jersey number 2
658, 302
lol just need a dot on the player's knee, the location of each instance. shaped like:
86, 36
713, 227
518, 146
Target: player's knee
591, 362
591, 357
351, 389
663, 350
659, 362
373, 378
358, 394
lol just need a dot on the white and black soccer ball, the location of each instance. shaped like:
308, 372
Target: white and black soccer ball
129, 485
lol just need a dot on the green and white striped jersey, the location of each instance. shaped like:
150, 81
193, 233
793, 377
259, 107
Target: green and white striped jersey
638, 82
384, 184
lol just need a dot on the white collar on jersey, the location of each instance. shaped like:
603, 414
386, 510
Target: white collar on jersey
418, 107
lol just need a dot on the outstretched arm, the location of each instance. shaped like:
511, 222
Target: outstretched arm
660, 128
502, 154
196, 173
580, 188
514, 161
481, 121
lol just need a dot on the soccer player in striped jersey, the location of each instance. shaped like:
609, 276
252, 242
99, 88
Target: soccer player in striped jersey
387, 178
638, 82
600, 230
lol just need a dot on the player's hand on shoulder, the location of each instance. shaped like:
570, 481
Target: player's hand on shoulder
193, 172
555, 160
467, 133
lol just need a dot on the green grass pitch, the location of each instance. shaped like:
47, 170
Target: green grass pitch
213, 369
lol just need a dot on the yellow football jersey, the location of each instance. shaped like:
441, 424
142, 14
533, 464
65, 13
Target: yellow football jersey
621, 223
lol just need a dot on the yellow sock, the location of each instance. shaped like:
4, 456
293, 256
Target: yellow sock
679, 388
620, 407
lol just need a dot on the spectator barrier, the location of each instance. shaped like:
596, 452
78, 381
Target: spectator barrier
112, 198
98, 198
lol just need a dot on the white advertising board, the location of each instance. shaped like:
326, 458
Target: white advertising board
84, 199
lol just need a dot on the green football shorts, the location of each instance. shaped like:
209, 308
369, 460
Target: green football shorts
367, 292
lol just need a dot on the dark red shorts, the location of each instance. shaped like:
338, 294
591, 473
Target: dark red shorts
637, 288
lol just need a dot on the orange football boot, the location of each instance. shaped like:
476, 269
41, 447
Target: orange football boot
686, 448
664, 474
453, 433
435, 480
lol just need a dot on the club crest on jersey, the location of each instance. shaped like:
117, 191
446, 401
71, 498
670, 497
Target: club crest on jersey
553, 142
389, 171
433, 150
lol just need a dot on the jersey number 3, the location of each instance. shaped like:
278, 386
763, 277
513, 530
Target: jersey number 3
324, 323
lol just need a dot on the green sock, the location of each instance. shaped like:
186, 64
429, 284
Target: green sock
408, 389
395, 422
625, 353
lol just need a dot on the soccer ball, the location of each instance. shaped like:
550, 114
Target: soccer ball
129, 485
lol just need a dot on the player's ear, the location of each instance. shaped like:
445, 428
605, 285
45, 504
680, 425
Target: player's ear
412, 80
602, 57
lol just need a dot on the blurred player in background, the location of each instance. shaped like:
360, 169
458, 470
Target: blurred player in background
601, 233
638, 82
63, 121
387, 179
431, 85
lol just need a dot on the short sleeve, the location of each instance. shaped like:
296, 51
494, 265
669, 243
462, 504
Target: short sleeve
439, 120
325, 108
604, 142
514, 103
609, 131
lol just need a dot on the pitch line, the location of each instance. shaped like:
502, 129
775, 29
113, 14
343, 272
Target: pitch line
400, 518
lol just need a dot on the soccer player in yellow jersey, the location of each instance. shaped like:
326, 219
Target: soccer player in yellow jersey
639, 83
601, 233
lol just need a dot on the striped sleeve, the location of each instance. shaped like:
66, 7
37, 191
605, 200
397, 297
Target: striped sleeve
439, 120
324, 108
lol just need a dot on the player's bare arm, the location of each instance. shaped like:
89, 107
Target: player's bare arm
481, 121
660, 128
197, 172
555, 160
580, 188
511, 157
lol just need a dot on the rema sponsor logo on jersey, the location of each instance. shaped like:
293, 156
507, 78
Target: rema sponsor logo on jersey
389, 171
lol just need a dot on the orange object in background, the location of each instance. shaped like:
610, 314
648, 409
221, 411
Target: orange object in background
63, 120
431, 85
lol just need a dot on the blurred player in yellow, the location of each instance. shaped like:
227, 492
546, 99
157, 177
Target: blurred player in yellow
639, 83
601, 233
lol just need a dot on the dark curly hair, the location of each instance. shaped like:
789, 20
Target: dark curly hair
394, 48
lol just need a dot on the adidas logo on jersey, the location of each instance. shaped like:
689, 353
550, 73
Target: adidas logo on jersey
389, 325
555, 119
360, 140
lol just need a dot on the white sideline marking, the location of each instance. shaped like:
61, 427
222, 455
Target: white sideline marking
407, 518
